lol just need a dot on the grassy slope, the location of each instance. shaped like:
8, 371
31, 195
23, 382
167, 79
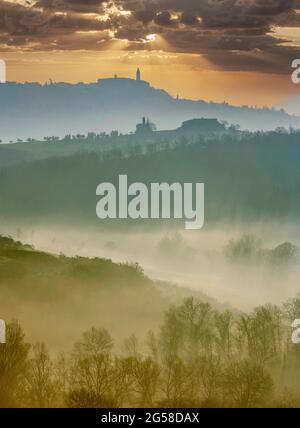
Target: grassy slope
58, 297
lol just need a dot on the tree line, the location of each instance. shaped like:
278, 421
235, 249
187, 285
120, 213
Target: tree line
199, 357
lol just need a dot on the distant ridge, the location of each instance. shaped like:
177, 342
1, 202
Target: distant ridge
35, 110
291, 105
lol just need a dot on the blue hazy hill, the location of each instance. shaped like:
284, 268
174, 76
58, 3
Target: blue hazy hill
291, 104
35, 110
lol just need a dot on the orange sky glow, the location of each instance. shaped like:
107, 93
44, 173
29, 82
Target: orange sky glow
190, 52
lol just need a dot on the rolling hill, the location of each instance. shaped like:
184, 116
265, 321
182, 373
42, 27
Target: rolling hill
58, 296
34, 110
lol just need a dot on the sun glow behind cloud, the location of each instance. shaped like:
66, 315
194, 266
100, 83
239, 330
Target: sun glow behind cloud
151, 38
289, 35
189, 47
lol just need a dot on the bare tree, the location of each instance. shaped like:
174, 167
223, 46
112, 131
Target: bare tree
262, 333
40, 385
92, 371
247, 384
145, 380
13, 365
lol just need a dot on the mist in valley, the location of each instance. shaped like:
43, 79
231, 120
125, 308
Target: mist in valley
195, 259
193, 306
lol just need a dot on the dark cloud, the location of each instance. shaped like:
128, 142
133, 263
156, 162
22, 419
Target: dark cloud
84, 6
165, 19
235, 34
37, 29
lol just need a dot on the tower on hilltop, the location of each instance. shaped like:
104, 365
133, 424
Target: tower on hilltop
138, 75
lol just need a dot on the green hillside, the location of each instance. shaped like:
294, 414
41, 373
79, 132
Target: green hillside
45, 290
253, 178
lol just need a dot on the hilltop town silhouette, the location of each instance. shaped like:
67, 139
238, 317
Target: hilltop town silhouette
35, 110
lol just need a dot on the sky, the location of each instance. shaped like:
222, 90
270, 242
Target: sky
238, 51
